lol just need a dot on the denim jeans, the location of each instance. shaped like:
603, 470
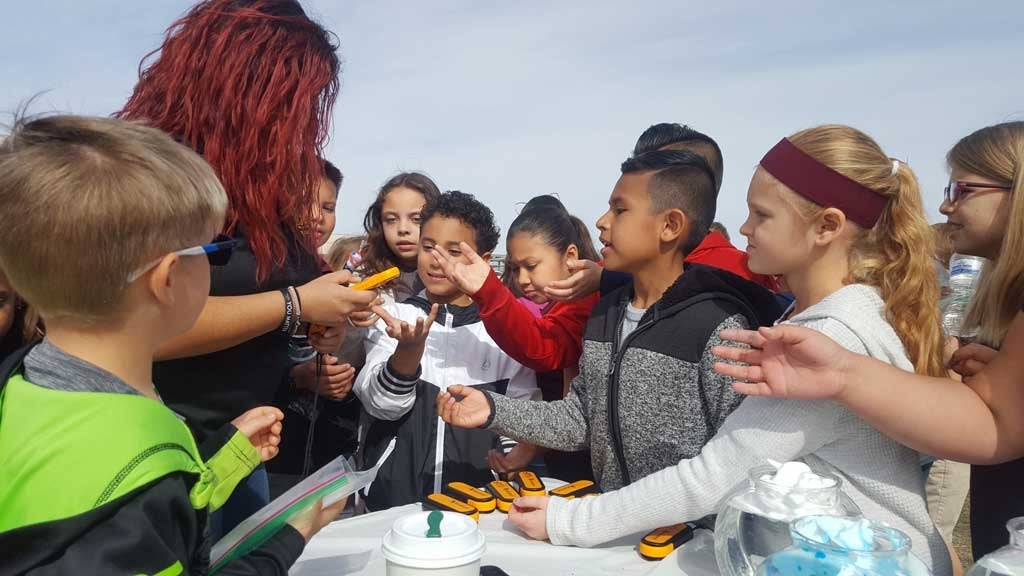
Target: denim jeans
251, 494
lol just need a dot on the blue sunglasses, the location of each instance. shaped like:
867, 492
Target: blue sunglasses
217, 252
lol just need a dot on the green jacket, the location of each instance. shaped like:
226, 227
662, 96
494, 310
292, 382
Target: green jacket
114, 483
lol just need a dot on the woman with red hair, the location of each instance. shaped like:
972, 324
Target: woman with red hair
250, 85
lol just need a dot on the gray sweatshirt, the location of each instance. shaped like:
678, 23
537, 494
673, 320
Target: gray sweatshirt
880, 475
644, 402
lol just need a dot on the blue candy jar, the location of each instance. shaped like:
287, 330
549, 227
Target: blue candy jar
754, 521
842, 546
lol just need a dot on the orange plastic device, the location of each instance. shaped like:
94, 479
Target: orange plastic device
504, 493
446, 503
663, 541
577, 489
371, 283
475, 497
529, 484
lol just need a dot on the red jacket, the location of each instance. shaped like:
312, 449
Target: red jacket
552, 342
717, 251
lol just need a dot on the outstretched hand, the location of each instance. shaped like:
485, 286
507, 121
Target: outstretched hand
262, 426
468, 276
784, 361
585, 279
408, 335
463, 406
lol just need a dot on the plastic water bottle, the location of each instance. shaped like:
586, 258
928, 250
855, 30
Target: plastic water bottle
1008, 560
964, 272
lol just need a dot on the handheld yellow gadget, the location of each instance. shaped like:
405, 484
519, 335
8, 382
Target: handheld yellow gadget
371, 283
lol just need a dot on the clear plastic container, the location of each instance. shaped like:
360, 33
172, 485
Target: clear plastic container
888, 553
964, 274
337, 480
754, 521
1008, 560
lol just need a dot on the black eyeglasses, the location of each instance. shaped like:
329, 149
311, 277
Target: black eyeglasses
959, 188
217, 252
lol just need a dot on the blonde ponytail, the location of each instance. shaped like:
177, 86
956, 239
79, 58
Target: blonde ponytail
896, 254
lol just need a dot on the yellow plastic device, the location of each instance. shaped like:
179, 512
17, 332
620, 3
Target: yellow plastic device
371, 283
446, 503
663, 541
529, 484
475, 497
504, 494
577, 489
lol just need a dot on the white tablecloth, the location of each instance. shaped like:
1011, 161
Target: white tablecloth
352, 547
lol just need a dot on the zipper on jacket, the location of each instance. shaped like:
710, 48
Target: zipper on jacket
614, 427
618, 352
438, 464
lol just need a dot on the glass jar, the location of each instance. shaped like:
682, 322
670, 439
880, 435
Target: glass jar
887, 553
1008, 560
754, 521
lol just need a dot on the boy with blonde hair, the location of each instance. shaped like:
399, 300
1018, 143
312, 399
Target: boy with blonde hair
103, 227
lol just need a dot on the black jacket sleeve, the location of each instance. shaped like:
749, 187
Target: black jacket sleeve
152, 530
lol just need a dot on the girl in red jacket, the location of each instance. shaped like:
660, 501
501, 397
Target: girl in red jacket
541, 244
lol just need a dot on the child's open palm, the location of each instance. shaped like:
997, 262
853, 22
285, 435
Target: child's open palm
785, 362
408, 336
463, 406
262, 426
469, 275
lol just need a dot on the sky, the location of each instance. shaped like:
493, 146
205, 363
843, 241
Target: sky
508, 100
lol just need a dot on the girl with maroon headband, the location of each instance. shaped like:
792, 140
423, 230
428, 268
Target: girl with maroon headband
250, 86
844, 225
981, 422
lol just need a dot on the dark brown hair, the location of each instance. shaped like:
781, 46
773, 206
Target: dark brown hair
377, 257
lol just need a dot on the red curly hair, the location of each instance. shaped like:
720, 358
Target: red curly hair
250, 85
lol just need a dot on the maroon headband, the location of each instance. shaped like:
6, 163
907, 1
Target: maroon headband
823, 185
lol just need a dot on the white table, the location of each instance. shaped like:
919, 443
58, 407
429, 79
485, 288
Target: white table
352, 547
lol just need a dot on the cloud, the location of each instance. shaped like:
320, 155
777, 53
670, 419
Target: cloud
510, 100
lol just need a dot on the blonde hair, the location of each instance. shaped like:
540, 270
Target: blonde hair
943, 243
896, 254
342, 249
88, 200
997, 152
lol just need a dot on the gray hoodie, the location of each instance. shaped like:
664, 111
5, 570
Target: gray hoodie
880, 475
648, 400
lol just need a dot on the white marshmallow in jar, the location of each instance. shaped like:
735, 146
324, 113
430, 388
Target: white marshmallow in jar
753, 522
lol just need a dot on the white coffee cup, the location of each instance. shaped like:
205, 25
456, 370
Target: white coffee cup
457, 552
